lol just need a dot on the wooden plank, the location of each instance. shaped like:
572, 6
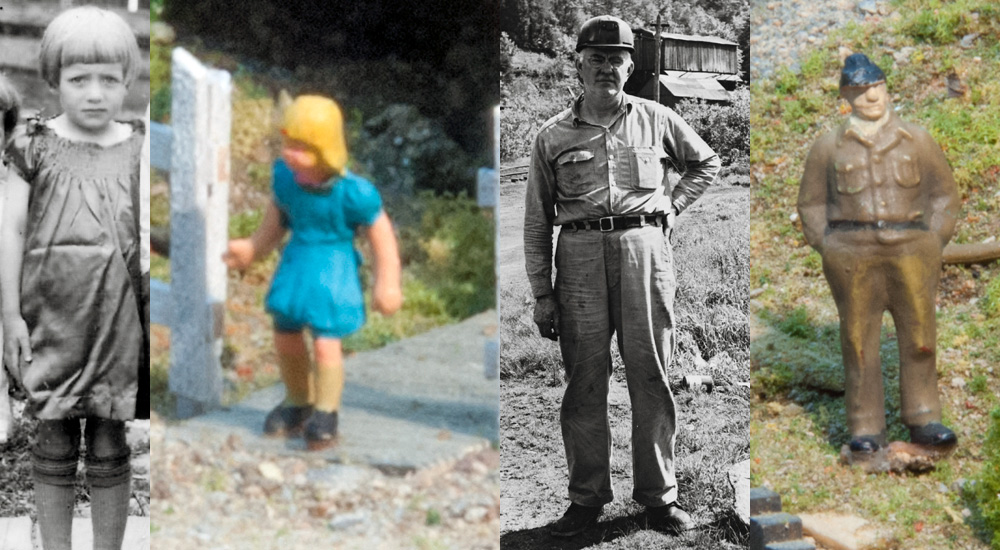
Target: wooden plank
161, 146
39, 15
21, 52
15, 533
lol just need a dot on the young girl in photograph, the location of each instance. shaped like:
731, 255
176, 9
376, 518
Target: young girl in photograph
10, 106
71, 279
317, 285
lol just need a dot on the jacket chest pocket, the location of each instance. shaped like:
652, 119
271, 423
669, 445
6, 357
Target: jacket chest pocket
851, 177
906, 170
576, 172
647, 167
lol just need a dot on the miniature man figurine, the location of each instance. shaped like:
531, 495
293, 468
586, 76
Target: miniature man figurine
879, 203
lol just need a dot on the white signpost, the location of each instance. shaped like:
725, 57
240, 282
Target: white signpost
195, 149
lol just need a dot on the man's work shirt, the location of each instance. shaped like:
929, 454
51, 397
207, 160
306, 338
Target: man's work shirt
582, 171
894, 175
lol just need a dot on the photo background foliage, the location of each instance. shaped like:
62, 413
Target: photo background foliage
537, 48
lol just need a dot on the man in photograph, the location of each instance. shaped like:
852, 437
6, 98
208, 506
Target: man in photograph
598, 172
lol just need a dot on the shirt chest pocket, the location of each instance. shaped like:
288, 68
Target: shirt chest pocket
851, 177
647, 167
906, 170
576, 172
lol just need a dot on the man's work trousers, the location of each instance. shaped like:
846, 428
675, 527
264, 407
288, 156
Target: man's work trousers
867, 278
617, 282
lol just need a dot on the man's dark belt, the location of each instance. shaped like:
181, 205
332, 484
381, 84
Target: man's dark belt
850, 225
612, 223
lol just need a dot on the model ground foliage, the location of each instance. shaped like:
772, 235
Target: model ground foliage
446, 239
798, 418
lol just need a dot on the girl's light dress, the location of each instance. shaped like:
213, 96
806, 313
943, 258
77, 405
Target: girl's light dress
80, 277
317, 285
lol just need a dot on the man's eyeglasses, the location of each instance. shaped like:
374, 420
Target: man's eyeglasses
597, 61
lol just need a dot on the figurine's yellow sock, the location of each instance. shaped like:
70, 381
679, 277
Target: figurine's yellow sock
329, 385
296, 373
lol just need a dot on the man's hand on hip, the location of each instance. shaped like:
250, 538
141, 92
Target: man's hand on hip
547, 317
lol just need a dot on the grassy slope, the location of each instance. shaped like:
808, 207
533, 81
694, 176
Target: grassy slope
798, 415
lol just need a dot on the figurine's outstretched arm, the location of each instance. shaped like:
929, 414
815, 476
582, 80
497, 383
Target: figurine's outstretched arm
243, 252
813, 194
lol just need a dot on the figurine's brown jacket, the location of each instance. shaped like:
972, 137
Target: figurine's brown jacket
898, 175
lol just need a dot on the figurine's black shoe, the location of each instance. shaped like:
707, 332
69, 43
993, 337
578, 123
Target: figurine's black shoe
576, 520
321, 430
286, 420
670, 519
864, 444
933, 434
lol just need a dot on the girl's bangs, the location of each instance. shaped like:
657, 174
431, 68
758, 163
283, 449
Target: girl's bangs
96, 47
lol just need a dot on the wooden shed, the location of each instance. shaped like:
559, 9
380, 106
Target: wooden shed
701, 67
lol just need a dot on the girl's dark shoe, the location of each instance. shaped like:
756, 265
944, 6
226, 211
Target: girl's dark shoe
321, 430
933, 434
576, 520
866, 444
286, 421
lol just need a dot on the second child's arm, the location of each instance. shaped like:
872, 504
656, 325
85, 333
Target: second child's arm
15, 214
243, 252
387, 296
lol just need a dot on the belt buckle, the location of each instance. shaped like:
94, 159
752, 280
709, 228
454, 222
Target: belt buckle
610, 224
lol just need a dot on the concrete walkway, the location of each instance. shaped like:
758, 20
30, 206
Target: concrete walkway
412, 404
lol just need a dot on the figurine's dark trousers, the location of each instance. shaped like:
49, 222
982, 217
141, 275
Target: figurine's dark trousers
871, 272
619, 282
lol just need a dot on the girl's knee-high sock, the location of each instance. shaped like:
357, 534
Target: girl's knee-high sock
55, 514
329, 385
109, 514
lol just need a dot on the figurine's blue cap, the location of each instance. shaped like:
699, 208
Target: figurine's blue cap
859, 71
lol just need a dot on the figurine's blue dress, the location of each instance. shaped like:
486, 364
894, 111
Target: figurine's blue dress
317, 284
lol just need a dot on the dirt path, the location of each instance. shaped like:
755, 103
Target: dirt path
401, 478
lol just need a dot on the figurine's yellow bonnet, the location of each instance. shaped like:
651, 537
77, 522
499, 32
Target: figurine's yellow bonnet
318, 121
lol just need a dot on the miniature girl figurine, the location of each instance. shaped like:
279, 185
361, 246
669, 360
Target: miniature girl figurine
71, 276
317, 284
10, 106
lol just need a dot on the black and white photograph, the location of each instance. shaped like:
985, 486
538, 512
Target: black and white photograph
74, 275
624, 265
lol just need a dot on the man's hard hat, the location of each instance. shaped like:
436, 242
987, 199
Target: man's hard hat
605, 31
318, 121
